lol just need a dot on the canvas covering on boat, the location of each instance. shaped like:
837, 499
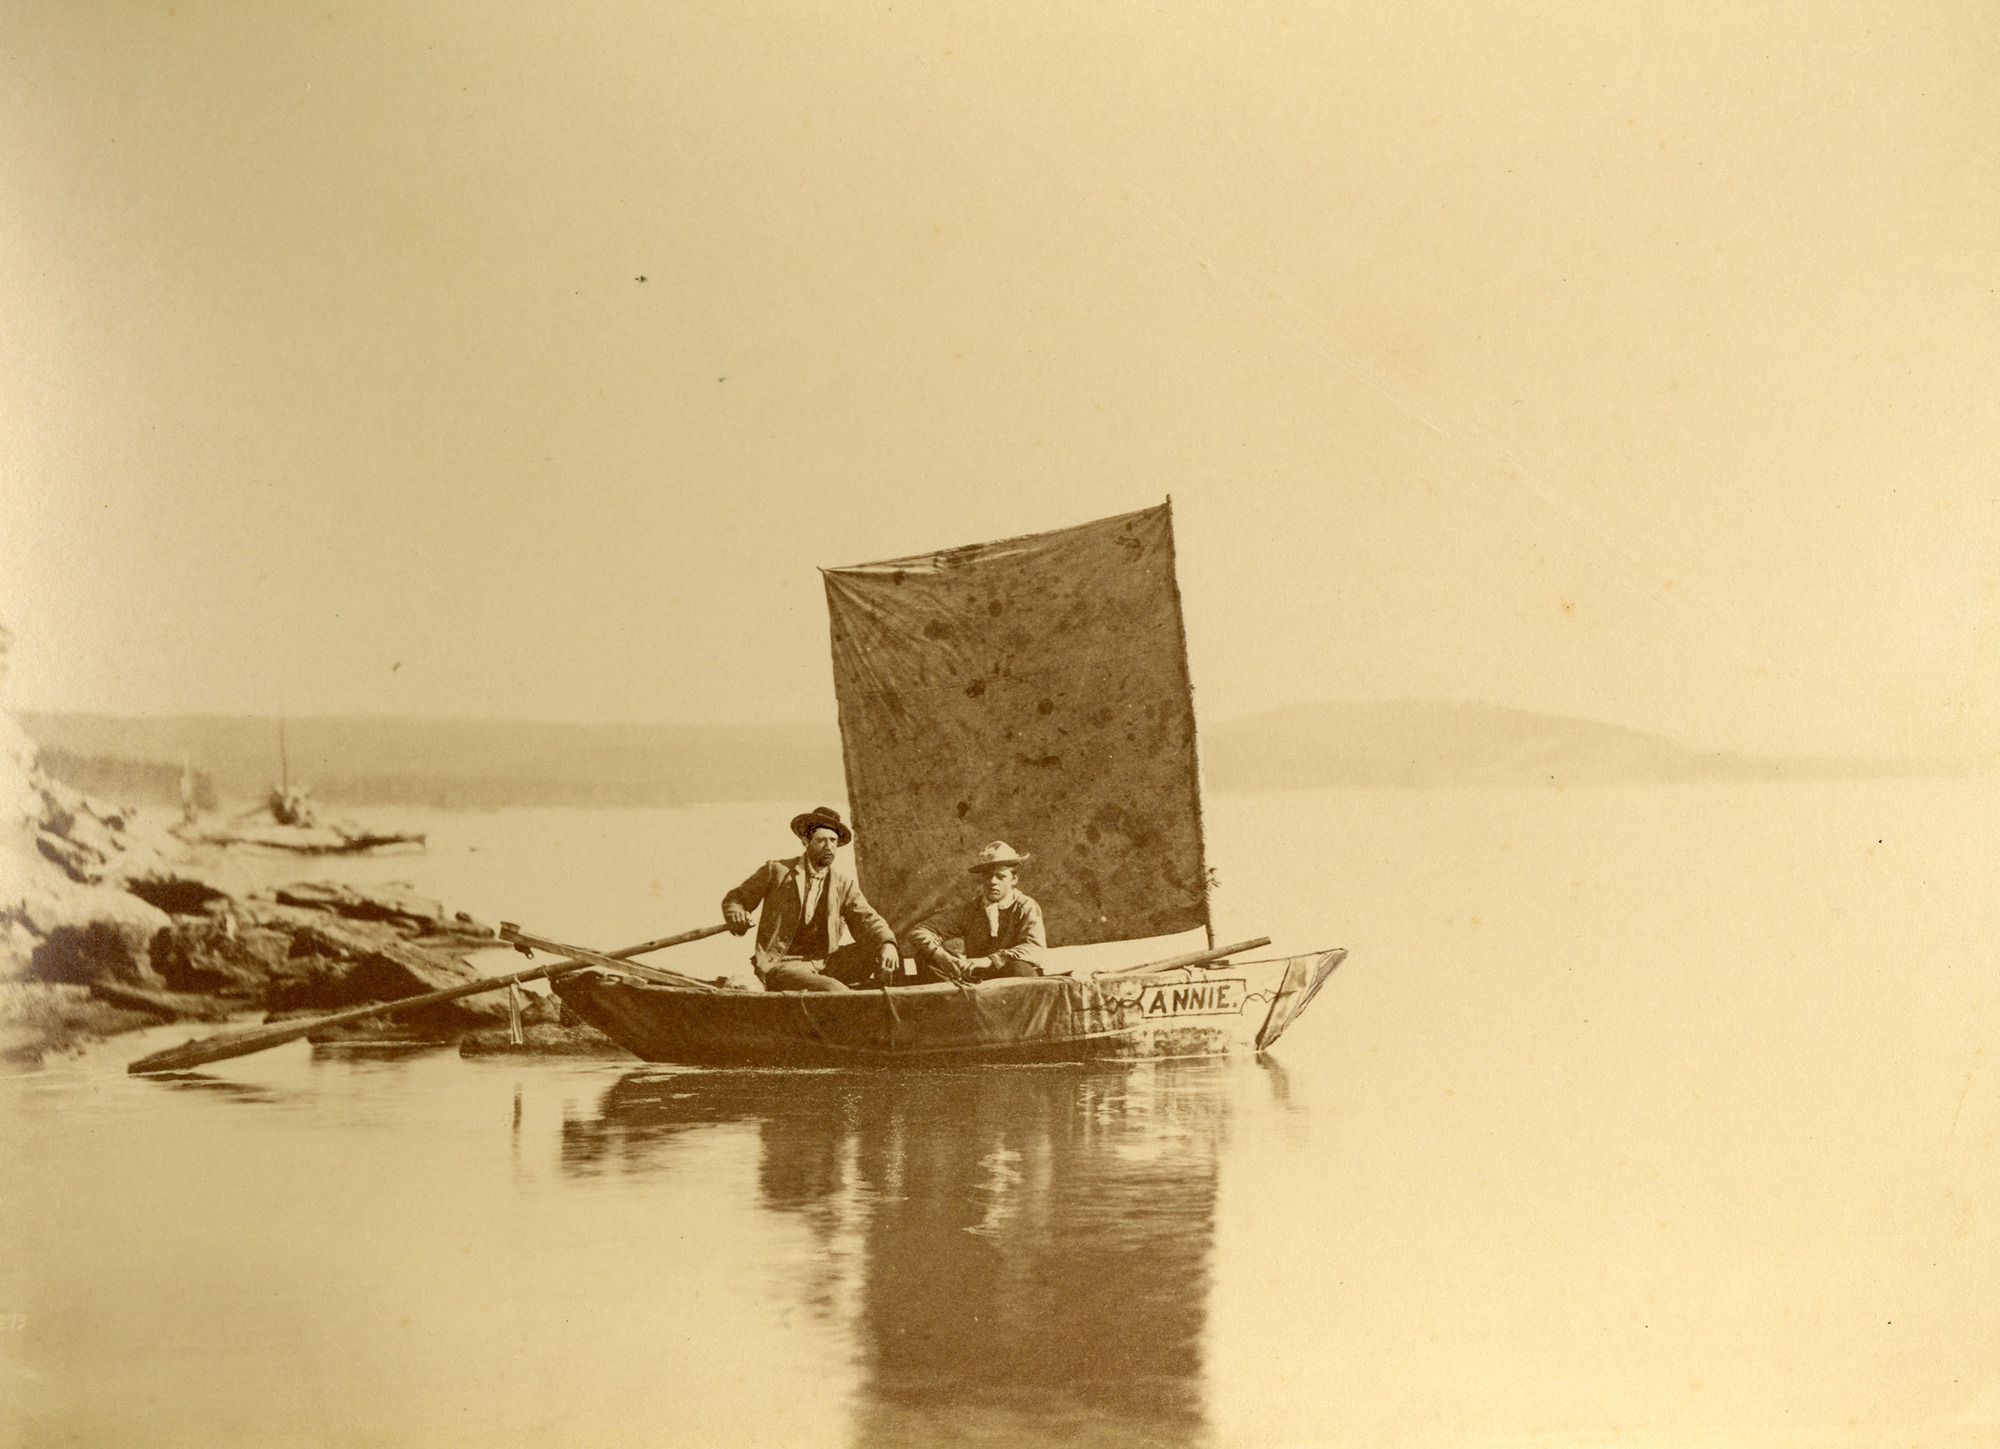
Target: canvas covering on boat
771, 1028
1033, 690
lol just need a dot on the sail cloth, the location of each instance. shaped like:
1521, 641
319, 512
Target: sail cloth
1034, 691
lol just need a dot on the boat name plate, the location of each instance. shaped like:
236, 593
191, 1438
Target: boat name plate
1194, 998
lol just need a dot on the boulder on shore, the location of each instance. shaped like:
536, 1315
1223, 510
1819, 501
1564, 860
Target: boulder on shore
166, 1005
65, 919
219, 957
546, 1039
448, 1022
351, 963
180, 888
109, 922
410, 914
38, 1017
91, 933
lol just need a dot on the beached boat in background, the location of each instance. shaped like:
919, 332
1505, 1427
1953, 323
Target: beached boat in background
286, 822
333, 839
290, 822
1033, 690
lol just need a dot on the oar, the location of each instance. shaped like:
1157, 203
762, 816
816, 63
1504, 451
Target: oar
241, 1044
1196, 958
522, 941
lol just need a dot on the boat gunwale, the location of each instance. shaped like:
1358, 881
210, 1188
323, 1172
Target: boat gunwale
1060, 1049
939, 987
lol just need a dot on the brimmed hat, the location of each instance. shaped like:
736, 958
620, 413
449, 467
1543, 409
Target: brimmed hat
994, 856
823, 818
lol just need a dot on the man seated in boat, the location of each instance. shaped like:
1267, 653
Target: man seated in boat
806, 901
998, 930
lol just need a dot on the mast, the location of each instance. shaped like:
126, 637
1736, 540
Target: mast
1194, 742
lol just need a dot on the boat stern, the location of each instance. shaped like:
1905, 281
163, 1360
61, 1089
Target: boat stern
1303, 978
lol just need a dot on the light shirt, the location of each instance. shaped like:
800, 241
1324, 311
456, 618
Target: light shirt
811, 883
993, 910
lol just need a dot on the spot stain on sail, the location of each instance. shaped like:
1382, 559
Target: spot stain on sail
1068, 730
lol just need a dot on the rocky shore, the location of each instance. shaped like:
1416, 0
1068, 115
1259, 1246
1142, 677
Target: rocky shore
108, 923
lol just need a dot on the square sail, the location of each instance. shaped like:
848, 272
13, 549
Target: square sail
1033, 690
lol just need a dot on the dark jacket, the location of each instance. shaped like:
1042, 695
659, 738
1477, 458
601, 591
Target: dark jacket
778, 887
1021, 938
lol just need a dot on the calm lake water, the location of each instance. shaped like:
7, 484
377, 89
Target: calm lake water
1637, 1116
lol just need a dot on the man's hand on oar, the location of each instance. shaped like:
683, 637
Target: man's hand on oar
952, 968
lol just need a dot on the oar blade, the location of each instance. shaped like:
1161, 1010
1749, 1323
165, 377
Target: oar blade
216, 1049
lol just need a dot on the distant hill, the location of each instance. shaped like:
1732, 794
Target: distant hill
1435, 743
475, 764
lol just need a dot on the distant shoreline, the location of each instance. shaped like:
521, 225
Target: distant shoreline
481, 765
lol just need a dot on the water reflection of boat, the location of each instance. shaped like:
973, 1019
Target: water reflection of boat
1033, 690
1025, 1251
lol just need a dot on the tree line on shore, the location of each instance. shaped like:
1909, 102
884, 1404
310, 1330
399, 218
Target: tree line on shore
488, 764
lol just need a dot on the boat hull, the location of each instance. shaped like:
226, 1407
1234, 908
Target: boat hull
315, 839
1236, 1007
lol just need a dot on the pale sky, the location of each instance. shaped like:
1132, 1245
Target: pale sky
1620, 361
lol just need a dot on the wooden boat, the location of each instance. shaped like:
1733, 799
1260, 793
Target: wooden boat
287, 822
1238, 1006
332, 839
290, 822
1033, 690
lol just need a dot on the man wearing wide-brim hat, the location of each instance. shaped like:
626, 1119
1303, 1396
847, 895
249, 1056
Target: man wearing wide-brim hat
998, 930
805, 905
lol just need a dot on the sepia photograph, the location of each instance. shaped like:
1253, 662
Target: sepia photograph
880, 726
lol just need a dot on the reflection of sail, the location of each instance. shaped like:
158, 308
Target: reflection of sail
1030, 1244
